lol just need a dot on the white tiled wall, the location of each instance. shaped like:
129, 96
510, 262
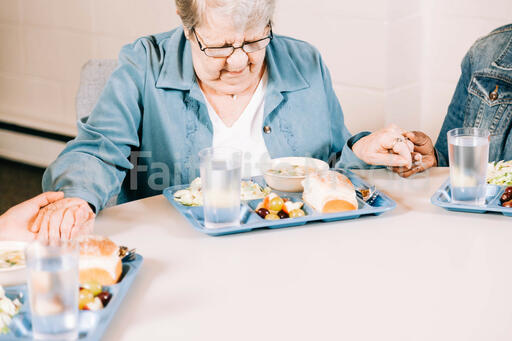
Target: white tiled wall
46, 42
394, 61
390, 60
360, 42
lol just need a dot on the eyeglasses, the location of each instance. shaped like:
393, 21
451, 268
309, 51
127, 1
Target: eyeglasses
227, 50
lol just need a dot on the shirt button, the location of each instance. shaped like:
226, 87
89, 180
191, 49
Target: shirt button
494, 95
267, 129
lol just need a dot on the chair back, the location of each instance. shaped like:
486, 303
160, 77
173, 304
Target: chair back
93, 77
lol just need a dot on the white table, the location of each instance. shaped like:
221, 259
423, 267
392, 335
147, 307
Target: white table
416, 273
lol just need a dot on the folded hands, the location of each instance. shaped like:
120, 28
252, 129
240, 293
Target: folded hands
405, 152
47, 217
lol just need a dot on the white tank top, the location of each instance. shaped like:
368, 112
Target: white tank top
246, 133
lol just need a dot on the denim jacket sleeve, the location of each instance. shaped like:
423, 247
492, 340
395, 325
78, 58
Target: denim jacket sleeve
340, 135
93, 165
455, 116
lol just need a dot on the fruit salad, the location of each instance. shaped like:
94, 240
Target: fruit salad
273, 207
92, 296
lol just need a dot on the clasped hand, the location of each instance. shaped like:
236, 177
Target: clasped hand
47, 217
406, 153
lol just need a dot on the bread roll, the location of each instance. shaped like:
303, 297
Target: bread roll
329, 192
99, 260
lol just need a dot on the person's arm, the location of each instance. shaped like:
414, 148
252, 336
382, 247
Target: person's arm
92, 166
455, 116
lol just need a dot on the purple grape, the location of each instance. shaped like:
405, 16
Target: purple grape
105, 297
282, 214
262, 212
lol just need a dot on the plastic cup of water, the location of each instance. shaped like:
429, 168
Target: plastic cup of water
468, 150
53, 290
220, 184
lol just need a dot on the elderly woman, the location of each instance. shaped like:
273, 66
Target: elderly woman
223, 79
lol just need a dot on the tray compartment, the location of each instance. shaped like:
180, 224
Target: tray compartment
286, 222
442, 198
294, 198
197, 214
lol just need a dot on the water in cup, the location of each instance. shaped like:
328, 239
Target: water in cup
53, 291
220, 185
468, 150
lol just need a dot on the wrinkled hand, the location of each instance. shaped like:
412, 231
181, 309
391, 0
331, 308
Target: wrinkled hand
423, 153
15, 223
65, 219
385, 147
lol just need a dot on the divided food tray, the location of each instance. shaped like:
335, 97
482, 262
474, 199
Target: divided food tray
442, 198
91, 324
249, 220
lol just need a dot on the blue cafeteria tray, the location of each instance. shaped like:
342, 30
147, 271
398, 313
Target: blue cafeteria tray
91, 324
250, 220
442, 198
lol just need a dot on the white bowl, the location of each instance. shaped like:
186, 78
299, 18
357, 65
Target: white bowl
291, 183
17, 274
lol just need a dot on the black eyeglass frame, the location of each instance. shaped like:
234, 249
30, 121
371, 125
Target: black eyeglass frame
204, 48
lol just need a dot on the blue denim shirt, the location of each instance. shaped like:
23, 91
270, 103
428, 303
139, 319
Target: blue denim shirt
486, 65
151, 120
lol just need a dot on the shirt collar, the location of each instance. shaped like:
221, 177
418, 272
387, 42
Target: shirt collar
177, 71
283, 73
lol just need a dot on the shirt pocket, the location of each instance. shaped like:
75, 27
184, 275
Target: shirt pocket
489, 103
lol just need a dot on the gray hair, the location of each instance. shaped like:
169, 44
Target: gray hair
245, 13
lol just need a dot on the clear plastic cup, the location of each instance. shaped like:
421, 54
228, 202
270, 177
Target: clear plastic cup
220, 184
468, 150
53, 290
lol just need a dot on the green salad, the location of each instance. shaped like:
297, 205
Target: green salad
193, 196
500, 173
8, 308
